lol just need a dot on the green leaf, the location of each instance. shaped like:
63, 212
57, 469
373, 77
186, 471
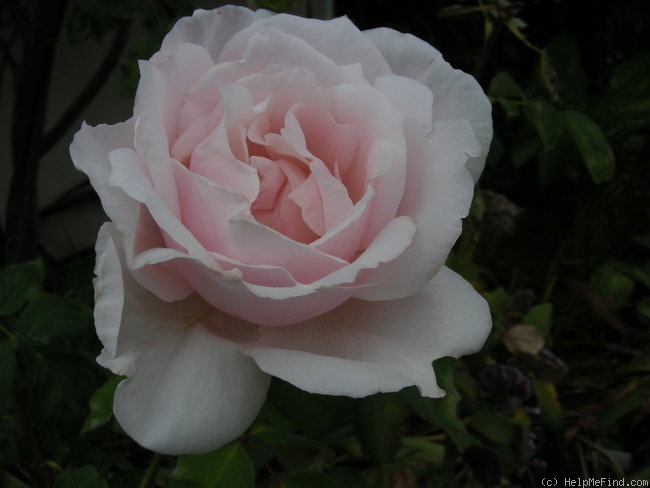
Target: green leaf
19, 283
498, 300
507, 92
442, 411
540, 316
228, 467
548, 123
628, 403
309, 480
551, 413
563, 75
101, 405
624, 108
594, 149
504, 86
86, 477
378, 425
310, 456
524, 148
273, 428
50, 316
613, 284
316, 415
7, 370
493, 426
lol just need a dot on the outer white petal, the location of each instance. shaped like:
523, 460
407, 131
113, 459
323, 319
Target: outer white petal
338, 39
362, 347
89, 152
189, 389
212, 29
456, 95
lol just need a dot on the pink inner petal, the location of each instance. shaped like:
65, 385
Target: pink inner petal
194, 134
323, 199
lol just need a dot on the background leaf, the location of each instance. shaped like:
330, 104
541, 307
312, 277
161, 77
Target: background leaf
18, 284
378, 425
547, 121
86, 477
50, 316
309, 480
594, 149
229, 466
442, 411
101, 405
7, 370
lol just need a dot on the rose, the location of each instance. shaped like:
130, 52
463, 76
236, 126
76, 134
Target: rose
282, 203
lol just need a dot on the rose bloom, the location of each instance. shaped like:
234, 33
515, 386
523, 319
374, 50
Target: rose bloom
281, 203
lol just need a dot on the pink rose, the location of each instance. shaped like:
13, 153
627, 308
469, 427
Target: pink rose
282, 203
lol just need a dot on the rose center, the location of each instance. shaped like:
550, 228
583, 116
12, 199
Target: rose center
301, 195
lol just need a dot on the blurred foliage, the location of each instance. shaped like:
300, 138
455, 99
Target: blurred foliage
558, 242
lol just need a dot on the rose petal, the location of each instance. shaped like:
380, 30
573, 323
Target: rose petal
276, 305
323, 199
192, 393
362, 347
344, 239
456, 95
128, 174
189, 389
438, 195
262, 305
212, 29
411, 98
89, 151
166, 80
268, 49
381, 151
391, 242
337, 39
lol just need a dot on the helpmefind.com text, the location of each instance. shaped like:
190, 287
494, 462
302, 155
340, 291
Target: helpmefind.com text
587, 482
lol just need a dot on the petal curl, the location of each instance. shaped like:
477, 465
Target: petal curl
89, 151
438, 195
361, 347
189, 389
456, 95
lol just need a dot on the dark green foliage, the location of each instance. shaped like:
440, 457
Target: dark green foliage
19, 283
228, 466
